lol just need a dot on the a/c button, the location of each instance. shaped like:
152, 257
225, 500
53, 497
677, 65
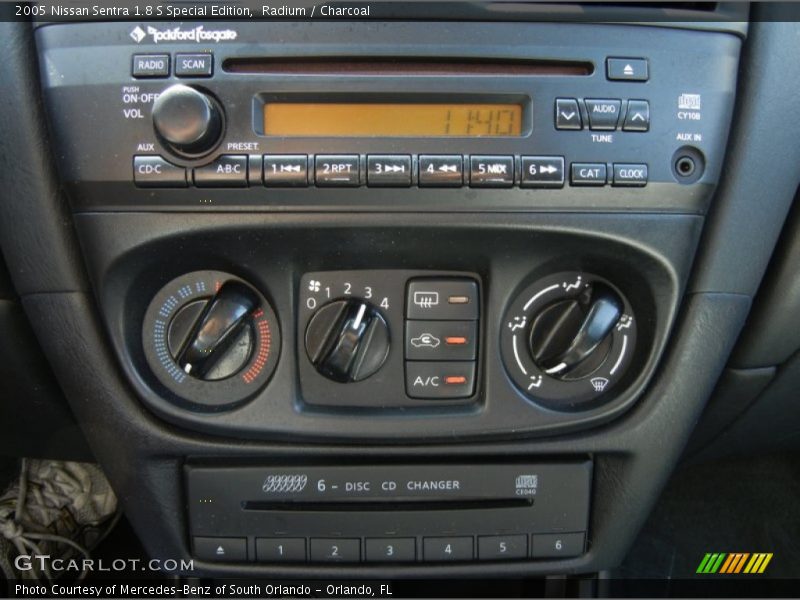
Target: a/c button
440, 380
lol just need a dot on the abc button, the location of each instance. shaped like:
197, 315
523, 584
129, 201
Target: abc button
154, 171
226, 171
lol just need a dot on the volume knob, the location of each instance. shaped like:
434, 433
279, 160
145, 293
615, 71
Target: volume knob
189, 122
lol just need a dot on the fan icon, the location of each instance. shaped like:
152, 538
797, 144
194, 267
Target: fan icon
313, 285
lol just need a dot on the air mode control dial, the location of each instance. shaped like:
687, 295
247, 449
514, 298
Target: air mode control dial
211, 339
568, 339
188, 121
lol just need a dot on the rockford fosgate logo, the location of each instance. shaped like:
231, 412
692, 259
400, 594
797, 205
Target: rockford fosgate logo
198, 35
284, 484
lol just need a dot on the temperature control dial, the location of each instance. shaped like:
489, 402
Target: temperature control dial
347, 340
568, 339
210, 338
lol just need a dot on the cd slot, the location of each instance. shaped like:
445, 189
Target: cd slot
418, 67
376, 505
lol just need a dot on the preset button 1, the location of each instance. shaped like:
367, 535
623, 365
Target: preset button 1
285, 170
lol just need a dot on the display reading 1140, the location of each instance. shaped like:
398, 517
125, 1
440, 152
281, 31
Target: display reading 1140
354, 119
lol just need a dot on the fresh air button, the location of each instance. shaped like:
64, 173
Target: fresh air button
502, 547
440, 380
491, 171
542, 172
228, 170
335, 550
442, 299
391, 549
447, 548
221, 549
285, 170
337, 170
150, 65
388, 170
638, 116
441, 171
557, 545
603, 114
194, 65
588, 174
281, 549
630, 175
441, 340
626, 69
154, 171
568, 115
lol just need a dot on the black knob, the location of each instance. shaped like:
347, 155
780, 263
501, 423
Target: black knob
213, 339
571, 338
347, 340
187, 120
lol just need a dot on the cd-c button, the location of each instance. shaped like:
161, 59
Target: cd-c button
154, 171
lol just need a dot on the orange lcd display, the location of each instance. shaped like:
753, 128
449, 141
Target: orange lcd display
354, 119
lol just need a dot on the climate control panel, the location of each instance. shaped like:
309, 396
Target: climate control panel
387, 339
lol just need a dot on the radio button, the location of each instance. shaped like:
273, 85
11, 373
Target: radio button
447, 548
638, 116
337, 170
568, 114
441, 171
391, 549
584, 174
557, 545
441, 340
502, 547
286, 170
388, 171
220, 549
603, 114
626, 69
280, 549
154, 171
630, 175
150, 65
335, 550
491, 171
440, 380
542, 172
194, 65
227, 171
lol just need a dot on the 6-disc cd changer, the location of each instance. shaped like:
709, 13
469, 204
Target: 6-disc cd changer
389, 514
